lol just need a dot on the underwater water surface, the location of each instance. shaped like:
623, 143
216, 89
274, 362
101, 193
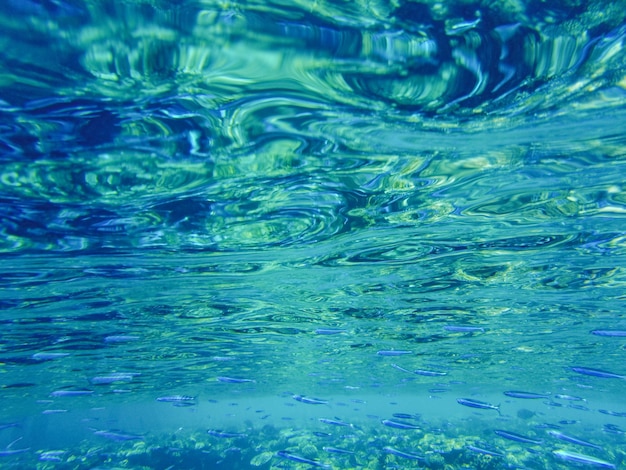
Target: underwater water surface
290, 234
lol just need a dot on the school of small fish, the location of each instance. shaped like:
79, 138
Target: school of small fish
550, 435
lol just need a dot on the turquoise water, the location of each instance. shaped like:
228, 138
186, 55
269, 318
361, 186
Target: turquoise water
288, 234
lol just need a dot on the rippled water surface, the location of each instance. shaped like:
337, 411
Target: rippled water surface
285, 234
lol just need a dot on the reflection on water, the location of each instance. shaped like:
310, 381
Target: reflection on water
292, 234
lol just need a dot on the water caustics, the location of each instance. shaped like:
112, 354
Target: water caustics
285, 234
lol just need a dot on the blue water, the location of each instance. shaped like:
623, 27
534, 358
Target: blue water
284, 234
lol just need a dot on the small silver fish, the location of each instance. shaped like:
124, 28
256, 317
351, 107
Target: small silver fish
110, 379
8, 452
233, 380
119, 437
70, 393
569, 397
120, 338
464, 329
329, 331
309, 400
398, 424
621, 414
582, 459
525, 395
176, 398
404, 455
458, 26
613, 429
477, 404
429, 373
597, 373
51, 455
396, 366
48, 356
484, 451
223, 358
406, 416
615, 333
297, 458
572, 440
334, 450
334, 422
226, 435
9, 425
394, 352
516, 437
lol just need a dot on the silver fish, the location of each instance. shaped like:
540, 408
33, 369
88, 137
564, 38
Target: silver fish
484, 451
404, 455
70, 393
394, 352
396, 366
578, 407
456, 27
309, 401
120, 338
526, 395
616, 333
334, 422
8, 452
464, 329
516, 437
621, 414
224, 434
223, 358
481, 405
399, 424
429, 373
613, 429
582, 459
296, 458
9, 425
176, 398
597, 373
334, 450
115, 436
569, 397
406, 416
233, 380
109, 379
52, 455
572, 440
48, 356
329, 331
